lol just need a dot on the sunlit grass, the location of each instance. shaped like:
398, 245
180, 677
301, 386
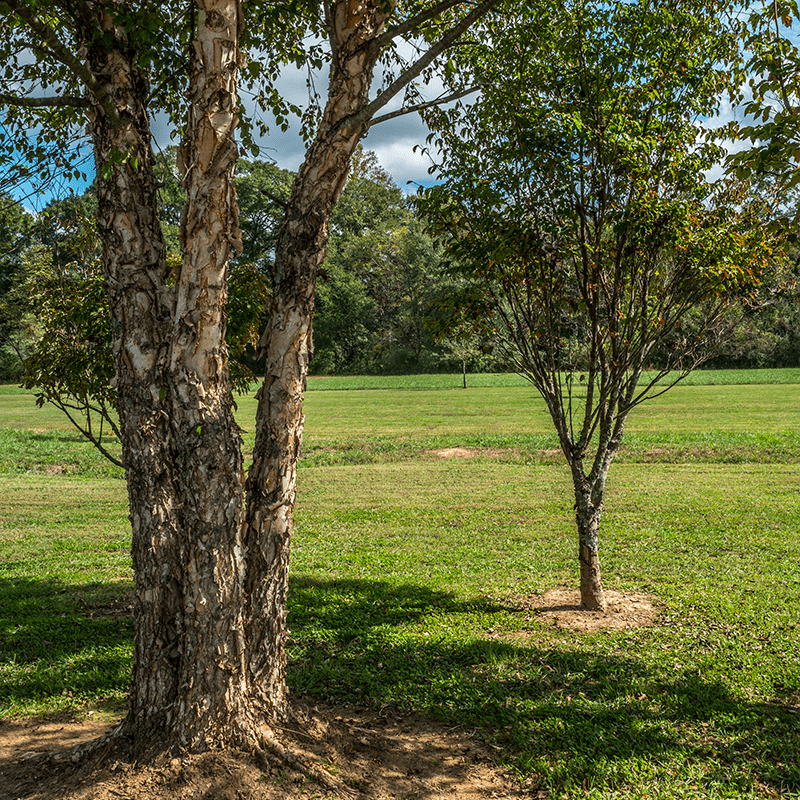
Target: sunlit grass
404, 562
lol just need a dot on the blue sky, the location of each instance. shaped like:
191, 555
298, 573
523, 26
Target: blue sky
393, 142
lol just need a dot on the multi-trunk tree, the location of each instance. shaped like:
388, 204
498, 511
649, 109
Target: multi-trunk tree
210, 549
577, 213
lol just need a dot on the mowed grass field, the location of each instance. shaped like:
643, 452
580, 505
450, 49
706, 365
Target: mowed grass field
406, 561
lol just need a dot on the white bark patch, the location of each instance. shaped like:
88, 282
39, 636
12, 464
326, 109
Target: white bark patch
140, 362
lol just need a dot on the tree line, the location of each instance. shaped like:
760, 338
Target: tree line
380, 308
376, 305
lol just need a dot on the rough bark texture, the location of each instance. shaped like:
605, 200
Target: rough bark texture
136, 273
181, 446
213, 694
211, 579
288, 339
590, 492
588, 512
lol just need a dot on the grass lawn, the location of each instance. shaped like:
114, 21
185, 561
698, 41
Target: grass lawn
404, 563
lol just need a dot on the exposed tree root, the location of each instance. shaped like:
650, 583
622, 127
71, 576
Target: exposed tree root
79, 754
267, 752
304, 766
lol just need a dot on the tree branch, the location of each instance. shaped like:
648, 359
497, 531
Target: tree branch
411, 24
44, 102
275, 199
62, 54
779, 72
421, 106
363, 116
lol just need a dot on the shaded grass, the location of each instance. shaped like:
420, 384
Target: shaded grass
65, 580
600, 716
401, 600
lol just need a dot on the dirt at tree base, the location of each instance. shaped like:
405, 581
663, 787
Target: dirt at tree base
374, 754
562, 609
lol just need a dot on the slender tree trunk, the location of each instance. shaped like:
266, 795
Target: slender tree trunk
588, 512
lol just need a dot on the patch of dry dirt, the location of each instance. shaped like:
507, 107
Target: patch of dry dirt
374, 755
470, 452
456, 452
562, 608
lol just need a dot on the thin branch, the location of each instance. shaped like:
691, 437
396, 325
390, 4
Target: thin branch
86, 431
44, 102
275, 199
366, 113
781, 82
79, 10
414, 22
62, 54
422, 106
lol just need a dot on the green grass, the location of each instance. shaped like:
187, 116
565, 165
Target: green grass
405, 564
483, 380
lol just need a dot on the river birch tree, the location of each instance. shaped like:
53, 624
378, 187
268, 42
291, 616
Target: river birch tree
576, 211
210, 551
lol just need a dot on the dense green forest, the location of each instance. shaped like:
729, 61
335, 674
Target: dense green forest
381, 298
378, 293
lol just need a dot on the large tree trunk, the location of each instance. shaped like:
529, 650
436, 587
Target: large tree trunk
211, 583
213, 699
136, 275
181, 446
287, 340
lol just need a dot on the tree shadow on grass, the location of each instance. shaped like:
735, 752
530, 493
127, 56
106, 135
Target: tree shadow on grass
63, 639
56, 436
574, 717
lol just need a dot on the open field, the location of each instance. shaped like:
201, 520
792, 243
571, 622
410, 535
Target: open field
424, 514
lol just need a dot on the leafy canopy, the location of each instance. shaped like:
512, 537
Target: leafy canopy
575, 205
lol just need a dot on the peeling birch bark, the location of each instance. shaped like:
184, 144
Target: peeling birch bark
590, 491
181, 446
211, 570
287, 340
135, 269
213, 695
588, 512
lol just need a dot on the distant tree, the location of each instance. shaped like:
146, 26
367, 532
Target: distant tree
263, 190
16, 234
466, 344
575, 211
379, 274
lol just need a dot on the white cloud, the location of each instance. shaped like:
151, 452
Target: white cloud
392, 141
